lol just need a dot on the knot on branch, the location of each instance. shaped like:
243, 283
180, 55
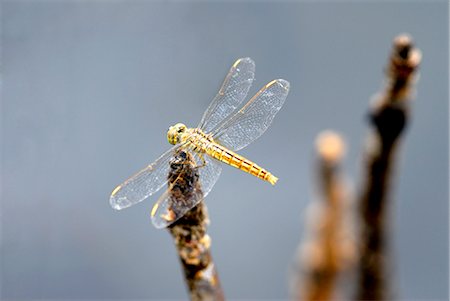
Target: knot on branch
389, 122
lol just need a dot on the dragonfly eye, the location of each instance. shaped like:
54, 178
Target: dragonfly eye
174, 133
180, 128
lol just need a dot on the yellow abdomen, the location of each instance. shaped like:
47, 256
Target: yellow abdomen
231, 158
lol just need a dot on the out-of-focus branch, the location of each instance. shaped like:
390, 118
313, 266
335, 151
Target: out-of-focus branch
388, 116
189, 232
329, 249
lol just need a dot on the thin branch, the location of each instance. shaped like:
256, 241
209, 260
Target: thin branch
189, 232
330, 248
388, 117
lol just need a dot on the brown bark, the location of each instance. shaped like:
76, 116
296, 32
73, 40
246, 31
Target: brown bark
330, 248
189, 232
388, 117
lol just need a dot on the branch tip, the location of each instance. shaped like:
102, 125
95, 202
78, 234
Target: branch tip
330, 146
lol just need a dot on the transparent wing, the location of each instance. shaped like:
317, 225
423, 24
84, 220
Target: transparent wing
250, 122
144, 183
233, 91
209, 173
175, 203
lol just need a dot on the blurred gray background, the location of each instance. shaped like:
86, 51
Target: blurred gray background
90, 88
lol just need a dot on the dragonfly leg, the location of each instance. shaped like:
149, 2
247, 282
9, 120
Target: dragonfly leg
203, 161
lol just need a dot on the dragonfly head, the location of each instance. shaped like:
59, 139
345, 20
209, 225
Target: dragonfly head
174, 133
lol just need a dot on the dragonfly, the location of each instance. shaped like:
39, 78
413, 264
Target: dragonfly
226, 127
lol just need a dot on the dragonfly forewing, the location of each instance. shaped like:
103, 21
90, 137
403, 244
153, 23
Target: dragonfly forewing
143, 184
231, 94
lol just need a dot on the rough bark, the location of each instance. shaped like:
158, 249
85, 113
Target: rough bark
389, 115
189, 232
329, 249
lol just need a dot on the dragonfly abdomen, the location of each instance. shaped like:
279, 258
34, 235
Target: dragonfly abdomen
231, 158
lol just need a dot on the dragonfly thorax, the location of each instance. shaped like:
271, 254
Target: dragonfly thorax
175, 132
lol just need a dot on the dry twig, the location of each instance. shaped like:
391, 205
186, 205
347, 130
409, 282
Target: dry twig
189, 232
329, 250
388, 117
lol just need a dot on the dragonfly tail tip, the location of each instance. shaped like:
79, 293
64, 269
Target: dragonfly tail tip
272, 179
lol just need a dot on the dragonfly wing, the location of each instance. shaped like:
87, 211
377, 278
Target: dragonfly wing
209, 173
174, 203
231, 94
171, 207
144, 183
250, 122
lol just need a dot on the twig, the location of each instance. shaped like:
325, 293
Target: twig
388, 117
330, 249
189, 232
